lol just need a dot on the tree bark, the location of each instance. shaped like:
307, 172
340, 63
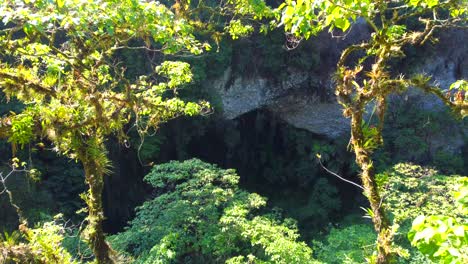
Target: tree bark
379, 218
94, 234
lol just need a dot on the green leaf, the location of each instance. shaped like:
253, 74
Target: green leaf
459, 85
431, 3
60, 3
459, 231
342, 23
454, 252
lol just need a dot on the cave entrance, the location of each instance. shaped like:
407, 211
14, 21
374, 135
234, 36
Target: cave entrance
278, 161
272, 158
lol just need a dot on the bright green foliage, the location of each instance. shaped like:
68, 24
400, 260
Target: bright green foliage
44, 245
443, 238
461, 195
256, 8
66, 72
236, 29
307, 18
367, 78
350, 244
243, 11
410, 191
460, 85
46, 241
355, 243
22, 129
276, 238
201, 216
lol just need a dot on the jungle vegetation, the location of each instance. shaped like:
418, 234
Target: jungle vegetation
98, 93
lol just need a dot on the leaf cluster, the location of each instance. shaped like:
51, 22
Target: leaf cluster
441, 237
410, 191
59, 59
200, 215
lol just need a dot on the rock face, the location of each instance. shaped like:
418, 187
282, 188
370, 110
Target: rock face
449, 58
293, 100
305, 99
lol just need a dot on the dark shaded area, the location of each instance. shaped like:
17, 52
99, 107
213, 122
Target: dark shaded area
273, 159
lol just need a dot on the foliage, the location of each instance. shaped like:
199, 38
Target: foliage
10, 239
305, 18
200, 215
68, 76
411, 190
44, 245
64, 180
21, 129
76, 246
348, 244
449, 163
285, 171
63, 62
35, 201
46, 241
443, 238
314, 209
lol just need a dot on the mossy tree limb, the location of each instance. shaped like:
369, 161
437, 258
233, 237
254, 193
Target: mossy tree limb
91, 154
367, 176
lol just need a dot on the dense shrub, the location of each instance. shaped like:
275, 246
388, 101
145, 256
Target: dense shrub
349, 244
199, 215
442, 238
43, 245
411, 190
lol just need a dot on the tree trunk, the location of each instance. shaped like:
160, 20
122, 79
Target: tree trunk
364, 161
94, 233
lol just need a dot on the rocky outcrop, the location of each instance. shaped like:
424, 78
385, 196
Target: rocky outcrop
305, 99
293, 100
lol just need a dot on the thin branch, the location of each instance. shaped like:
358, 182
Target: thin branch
3, 180
351, 49
338, 176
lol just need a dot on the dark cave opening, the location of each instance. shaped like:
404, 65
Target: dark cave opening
272, 158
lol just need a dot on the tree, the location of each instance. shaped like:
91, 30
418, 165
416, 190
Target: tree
201, 216
368, 79
60, 59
